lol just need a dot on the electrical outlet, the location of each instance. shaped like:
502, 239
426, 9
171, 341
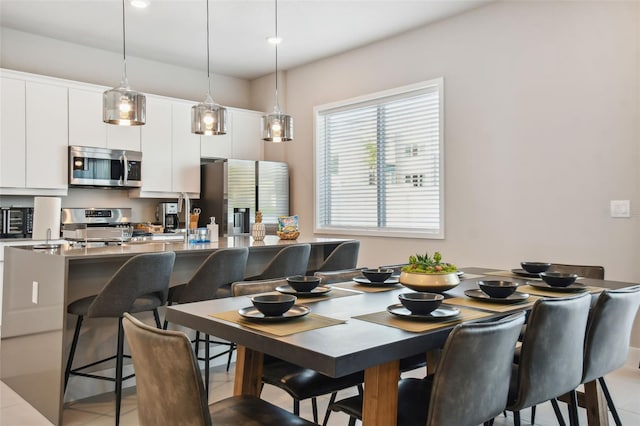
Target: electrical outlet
620, 208
34, 292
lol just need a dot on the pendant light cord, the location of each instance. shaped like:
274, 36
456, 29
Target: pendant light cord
208, 75
124, 48
277, 103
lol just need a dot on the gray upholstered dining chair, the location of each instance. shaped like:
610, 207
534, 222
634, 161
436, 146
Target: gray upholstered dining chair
465, 390
344, 256
299, 382
332, 277
141, 284
607, 339
551, 357
170, 389
586, 271
291, 260
212, 280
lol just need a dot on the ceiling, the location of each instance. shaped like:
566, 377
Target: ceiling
174, 31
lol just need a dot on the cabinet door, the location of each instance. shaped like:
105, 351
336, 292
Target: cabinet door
47, 136
156, 146
12, 133
123, 137
218, 146
185, 151
246, 139
86, 127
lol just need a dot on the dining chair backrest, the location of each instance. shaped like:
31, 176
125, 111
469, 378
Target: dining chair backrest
344, 256
609, 332
143, 274
397, 268
586, 271
220, 268
471, 382
243, 288
551, 357
331, 277
168, 383
291, 260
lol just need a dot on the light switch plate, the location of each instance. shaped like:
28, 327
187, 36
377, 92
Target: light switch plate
620, 208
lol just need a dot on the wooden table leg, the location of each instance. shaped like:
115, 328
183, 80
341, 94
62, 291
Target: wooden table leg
248, 379
433, 357
596, 405
380, 405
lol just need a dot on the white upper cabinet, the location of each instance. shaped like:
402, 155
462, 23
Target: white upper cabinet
156, 146
246, 140
170, 152
243, 140
85, 119
185, 151
33, 137
86, 127
13, 149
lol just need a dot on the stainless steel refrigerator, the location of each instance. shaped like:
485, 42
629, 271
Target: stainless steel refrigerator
232, 191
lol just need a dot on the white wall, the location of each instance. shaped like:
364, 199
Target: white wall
41, 55
541, 131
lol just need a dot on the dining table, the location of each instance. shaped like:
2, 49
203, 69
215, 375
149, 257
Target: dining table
351, 328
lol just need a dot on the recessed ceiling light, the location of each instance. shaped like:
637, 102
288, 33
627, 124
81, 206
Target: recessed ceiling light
140, 3
274, 40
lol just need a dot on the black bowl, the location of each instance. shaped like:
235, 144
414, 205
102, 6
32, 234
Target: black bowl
421, 303
303, 284
558, 279
535, 267
379, 275
273, 305
498, 289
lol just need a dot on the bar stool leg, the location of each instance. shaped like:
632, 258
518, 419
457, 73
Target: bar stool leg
72, 352
206, 364
119, 359
157, 318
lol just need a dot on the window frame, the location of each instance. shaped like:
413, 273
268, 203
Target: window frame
380, 97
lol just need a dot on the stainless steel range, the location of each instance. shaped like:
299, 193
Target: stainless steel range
102, 226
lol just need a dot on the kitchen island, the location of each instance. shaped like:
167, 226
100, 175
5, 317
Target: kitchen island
39, 284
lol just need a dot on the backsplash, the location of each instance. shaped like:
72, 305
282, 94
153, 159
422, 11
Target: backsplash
143, 210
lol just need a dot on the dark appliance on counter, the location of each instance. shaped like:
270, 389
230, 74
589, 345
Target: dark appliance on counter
103, 167
232, 191
167, 215
17, 222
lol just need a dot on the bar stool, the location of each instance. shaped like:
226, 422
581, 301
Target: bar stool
140, 285
212, 280
291, 260
344, 256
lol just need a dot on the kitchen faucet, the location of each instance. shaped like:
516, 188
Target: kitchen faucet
187, 207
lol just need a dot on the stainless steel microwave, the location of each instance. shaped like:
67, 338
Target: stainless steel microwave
103, 167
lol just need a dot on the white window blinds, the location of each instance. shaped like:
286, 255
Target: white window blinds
379, 164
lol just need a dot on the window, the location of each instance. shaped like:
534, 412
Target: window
379, 164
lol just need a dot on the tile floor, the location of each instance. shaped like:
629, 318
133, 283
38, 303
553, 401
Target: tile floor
98, 411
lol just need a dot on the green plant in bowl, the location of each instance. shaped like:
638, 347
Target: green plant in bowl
430, 274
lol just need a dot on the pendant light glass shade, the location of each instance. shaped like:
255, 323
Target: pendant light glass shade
121, 105
208, 118
277, 126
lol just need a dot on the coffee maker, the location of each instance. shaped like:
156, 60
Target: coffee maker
167, 215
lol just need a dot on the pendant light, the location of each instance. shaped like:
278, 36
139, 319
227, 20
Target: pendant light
121, 105
208, 118
277, 126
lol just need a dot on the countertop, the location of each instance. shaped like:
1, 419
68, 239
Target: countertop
69, 251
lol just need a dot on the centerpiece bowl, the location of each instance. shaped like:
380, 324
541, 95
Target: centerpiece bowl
429, 274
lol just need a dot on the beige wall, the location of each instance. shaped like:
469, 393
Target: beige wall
41, 55
541, 131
